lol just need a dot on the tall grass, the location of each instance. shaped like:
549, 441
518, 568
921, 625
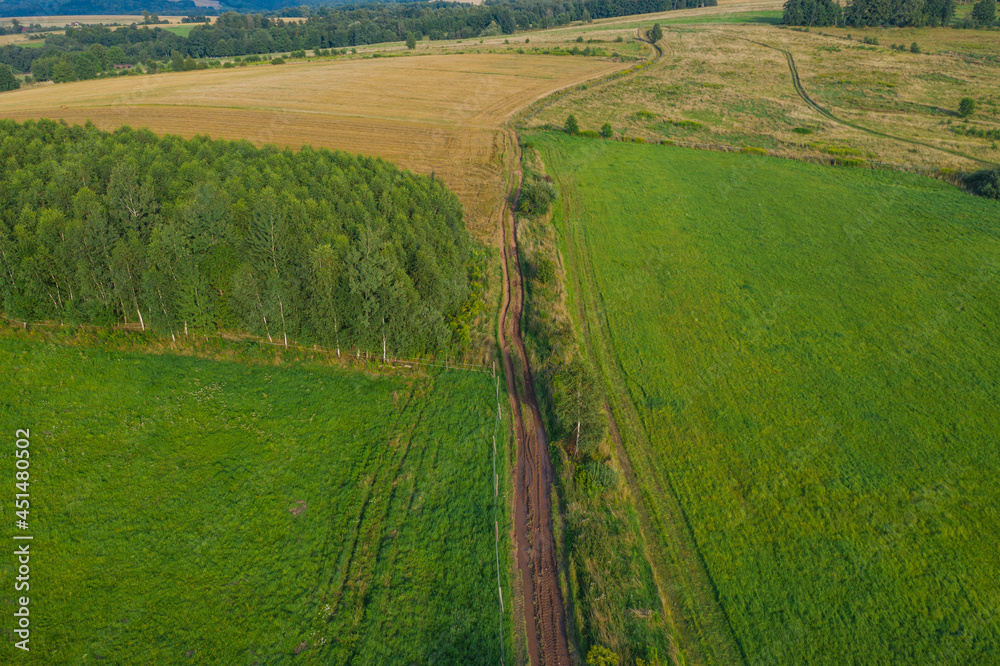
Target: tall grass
811, 355
187, 508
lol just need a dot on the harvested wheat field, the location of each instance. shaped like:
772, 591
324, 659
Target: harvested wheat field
439, 114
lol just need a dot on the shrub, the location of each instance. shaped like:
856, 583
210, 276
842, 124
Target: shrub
966, 107
803, 130
914, 48
753, 150
984, 183
278, 61
536, 196
607, 131
602, 656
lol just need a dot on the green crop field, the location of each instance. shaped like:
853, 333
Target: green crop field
182, 30
246, 513
804, 360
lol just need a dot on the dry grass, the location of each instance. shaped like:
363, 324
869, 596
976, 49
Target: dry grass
714, 86
13, 39
439, 114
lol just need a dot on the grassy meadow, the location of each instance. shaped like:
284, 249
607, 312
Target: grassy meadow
718, 82
220, 512
802, 361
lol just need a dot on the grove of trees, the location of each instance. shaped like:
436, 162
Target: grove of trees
862, 13
173, 235
7, 79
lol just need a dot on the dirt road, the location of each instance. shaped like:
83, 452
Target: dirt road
544, 615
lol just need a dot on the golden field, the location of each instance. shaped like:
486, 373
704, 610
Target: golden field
432, 114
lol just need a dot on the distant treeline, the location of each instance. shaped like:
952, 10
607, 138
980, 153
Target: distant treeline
862, 13
237, 34
104, 7
173, 234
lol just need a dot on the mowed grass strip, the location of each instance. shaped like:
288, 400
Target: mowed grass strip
811, 352
435, 114
238, 514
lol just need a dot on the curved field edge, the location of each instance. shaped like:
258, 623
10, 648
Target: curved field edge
766, 510
231, 512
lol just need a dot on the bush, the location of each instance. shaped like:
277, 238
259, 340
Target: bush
536, 196
753, 150
966, 107
602, 656
607, 131
984, 183
278, 61
914, 48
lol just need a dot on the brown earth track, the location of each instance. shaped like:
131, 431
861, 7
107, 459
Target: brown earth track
544, 614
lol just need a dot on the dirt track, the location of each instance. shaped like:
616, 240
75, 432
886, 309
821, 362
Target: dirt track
544, 615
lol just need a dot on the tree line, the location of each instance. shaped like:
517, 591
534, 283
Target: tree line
173, 235
235, 34
862, 13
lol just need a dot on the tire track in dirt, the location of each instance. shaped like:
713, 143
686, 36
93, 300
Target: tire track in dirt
544, 614
797, 84
537, 558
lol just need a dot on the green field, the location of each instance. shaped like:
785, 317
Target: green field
245, 513
803, 362
769, 17
182, 30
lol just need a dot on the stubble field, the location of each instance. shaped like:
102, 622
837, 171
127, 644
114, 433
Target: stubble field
432, 114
